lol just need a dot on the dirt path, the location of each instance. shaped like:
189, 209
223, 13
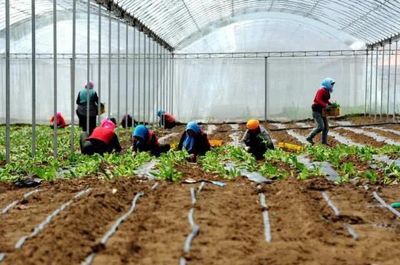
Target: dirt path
359, 138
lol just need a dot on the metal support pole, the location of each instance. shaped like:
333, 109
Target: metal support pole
383, 68
126, 78
376, 83
266, 89
8, 81
388, 85
134, 75
366, 83
158, 78
370, 82
144, 77
153, 104
149, 82
55, 75
163, 80
172, 81
88, 70
139, 79
119, 70
395, 83
73, 75
99, 67
109, 64
33, 78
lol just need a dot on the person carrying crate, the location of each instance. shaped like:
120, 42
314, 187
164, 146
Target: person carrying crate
257, 139
321, 103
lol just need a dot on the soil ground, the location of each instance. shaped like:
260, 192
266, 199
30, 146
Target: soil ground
304, 228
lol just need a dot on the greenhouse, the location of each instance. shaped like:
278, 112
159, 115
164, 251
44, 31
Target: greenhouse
199, 132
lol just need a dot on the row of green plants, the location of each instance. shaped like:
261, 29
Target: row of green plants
72, 164
340, 155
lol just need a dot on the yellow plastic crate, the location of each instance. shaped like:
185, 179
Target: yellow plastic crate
288, 146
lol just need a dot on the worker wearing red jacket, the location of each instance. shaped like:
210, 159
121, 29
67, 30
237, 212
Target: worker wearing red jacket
102, 140
166, 121
60, 121
321, 103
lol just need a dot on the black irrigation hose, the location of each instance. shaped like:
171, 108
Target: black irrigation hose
335, 126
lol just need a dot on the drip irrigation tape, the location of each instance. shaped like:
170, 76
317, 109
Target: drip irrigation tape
49, 218
89, 259
330, 203
384, 204
267, 226
195, 231
201, 186
193, 195
14, 203
351, 231
155, 186
373, 135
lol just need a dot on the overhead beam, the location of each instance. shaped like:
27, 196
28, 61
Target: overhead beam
133, 21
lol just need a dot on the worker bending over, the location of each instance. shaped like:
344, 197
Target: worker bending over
144, 140
60, 121
257, 139
166, 121
194, 141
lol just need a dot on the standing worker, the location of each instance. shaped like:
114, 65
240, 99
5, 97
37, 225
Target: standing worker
194, 141
102, 140
82, 99
166, 121
321, 103
257, 139
145, 140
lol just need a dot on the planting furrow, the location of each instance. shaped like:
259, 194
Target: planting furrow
154, 234
358, 138
112, 230
72, 234
282, 136
392, 135
336, 211
42, 225
231, 225
377, 227
14, 203
373, 135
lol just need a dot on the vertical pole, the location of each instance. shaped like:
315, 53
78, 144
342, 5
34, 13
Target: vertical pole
73, 75
157, 78
134, 75
153, 104
366, 84
370, 81
388, 85
55, 75
126, 77
383, 68
7, 81
139, 84
99, 67
109, 65
149, 81
266, 89
395, 82
172, 81
376, 82
119, 70
33, 78
88, 70
144, 77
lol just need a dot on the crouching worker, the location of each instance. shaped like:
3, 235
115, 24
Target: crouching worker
166, 121
102, 140
60, 121
194, 140
127, 121
257, 139
144, 140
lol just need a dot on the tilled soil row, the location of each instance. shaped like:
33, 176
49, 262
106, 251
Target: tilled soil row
69, 237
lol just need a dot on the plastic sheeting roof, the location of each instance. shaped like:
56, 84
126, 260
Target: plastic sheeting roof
177, 20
